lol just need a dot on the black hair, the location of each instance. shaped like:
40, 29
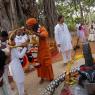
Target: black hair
2, 60
35, 27
59, 17
4, 34
80, 27
91, 26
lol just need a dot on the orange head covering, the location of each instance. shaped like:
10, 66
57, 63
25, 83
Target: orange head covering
31, 21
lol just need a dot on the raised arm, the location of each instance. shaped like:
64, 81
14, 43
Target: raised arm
22, 53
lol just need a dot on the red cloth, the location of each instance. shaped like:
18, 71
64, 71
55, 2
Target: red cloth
44, 57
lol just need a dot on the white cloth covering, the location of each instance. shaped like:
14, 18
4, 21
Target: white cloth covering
20, 87
20, 40
63, 37
15, 67
24, 38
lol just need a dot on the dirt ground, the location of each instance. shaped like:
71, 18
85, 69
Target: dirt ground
32, 85
58, 56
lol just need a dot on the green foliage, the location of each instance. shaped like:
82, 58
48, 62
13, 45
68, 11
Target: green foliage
89, 3
72, 12
67, 11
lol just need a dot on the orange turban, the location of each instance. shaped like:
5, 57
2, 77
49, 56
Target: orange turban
31, 21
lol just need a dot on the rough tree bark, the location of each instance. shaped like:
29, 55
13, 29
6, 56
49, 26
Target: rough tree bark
4, 18
29, 8
14, 11
81, 11
13, 14
50, 16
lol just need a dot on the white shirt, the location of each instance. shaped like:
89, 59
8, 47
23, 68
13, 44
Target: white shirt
21, 39
24, 38
63, 37
18, 40
15, 67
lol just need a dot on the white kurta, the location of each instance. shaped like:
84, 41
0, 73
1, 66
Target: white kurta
91, 36
18, 40
24, 38
63, 37
21, 39
15, 67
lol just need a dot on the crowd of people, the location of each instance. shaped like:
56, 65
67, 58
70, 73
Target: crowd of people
16, 47
92, 32
85, 31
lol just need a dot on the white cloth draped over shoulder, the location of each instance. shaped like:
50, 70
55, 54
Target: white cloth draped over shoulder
20, 40
63, 37
15, 67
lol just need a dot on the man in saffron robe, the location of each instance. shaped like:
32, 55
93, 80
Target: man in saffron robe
45, 70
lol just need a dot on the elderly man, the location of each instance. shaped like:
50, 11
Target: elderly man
63, 39
44, 57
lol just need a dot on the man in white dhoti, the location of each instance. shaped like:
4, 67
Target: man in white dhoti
15, 67
63, 39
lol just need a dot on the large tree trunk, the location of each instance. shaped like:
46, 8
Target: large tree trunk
29, 8
4, 17
12, 12
50, 15
81, 11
